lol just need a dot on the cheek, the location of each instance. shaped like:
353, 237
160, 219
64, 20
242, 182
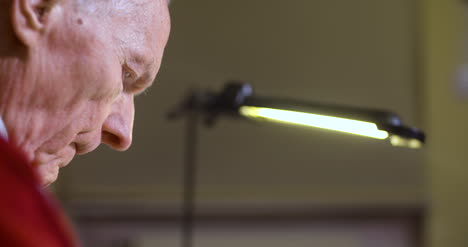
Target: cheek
95, 85
99, 79
87, 63
93, 115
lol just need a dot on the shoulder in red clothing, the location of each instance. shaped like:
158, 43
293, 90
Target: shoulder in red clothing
28, 214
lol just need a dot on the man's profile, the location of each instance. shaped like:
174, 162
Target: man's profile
69, 72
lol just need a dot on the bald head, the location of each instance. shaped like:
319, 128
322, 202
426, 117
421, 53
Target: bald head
98, 6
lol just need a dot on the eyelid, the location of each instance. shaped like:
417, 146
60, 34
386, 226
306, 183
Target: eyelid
127, 70
129, 76
132, 84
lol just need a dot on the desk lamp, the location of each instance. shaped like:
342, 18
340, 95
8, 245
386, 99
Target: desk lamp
238, 101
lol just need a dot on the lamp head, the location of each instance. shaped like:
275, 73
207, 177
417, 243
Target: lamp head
237, 100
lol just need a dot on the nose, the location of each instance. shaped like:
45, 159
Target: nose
118, 126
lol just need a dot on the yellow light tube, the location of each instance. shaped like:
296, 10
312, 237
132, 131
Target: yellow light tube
315, 120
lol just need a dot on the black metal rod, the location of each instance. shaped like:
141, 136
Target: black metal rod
189, 179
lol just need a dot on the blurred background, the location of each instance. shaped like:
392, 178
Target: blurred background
271, 185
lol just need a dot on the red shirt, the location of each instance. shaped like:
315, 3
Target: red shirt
29, 216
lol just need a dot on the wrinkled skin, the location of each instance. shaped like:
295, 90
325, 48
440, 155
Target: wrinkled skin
68, 77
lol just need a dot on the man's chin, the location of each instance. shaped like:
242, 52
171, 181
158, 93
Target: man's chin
47, 165
48, 173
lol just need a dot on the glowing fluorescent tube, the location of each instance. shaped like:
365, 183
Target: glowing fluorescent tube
315, 120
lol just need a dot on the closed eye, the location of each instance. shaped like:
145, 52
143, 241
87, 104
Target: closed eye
129, 76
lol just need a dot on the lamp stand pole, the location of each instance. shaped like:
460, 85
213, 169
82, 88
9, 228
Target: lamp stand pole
190, 175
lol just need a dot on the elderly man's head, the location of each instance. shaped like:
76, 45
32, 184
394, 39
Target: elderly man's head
69, 71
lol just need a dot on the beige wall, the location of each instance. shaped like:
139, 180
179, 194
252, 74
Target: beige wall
358, 52
351, 52
447, 121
